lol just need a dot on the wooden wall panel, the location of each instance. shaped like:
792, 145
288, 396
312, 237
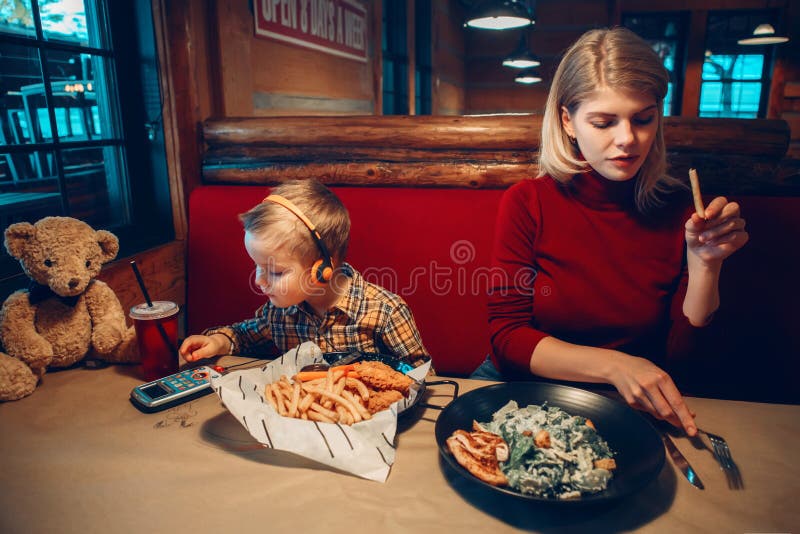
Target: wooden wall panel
523, 98
491, 87
234, 28
263, 77
288, 69
449, 98
448, 49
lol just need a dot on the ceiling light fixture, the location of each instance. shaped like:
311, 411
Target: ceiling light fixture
528, 76
501, 15
762, 35
521, 57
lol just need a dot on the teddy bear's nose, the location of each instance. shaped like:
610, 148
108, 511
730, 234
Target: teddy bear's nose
73, 283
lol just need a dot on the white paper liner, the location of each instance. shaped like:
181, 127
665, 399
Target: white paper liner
365, 449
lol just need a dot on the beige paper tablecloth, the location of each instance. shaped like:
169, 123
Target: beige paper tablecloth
76, 456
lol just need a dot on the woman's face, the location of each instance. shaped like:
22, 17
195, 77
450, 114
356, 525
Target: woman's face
614, 130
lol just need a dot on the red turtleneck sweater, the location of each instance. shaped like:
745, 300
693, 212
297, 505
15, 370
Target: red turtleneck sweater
579, 263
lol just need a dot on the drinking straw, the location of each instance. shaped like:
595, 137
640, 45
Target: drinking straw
160, 327
141, 284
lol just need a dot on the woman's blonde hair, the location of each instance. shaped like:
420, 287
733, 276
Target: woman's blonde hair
618, 59
280, 228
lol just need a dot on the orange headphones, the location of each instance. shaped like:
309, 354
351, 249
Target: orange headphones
322, 270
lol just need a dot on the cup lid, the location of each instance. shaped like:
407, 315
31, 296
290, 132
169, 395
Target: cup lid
159, 310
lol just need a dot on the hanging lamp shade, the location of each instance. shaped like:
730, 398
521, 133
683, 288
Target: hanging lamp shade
500, 15
762, 35
528, 77
521, 57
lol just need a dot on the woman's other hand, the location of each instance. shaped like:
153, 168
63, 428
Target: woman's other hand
720, 234
647, 387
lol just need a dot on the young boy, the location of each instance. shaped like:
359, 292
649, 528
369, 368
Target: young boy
313, 294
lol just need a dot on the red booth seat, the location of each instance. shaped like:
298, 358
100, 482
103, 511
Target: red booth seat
433, 246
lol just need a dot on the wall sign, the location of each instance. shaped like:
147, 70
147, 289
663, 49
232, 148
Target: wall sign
336, 27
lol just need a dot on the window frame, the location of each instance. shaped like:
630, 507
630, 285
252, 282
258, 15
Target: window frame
677, 74
727, 45
131, 44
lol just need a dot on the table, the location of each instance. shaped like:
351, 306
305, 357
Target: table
76, 456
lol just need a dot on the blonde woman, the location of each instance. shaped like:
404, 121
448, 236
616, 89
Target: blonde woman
601, 258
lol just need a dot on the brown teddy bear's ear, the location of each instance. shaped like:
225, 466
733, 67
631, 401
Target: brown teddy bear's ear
17, 236
109, 244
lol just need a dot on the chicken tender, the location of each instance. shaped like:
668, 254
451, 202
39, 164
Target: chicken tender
380, 376
380, 400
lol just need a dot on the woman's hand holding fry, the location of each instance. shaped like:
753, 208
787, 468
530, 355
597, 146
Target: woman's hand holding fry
720, 234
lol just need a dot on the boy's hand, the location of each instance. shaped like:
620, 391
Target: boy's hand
196, 348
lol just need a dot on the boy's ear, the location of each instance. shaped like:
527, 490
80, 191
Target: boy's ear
17, 236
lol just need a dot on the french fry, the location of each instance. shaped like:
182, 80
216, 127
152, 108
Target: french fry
360, 407
316, 416
337, 375
316, 407
344, 416
305, 404
270, 397
698, 199
340, 385
295, 400
280, 406
341, 400
335, 395
359, 386
329, 380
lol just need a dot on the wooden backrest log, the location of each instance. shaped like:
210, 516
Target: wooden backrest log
733, 156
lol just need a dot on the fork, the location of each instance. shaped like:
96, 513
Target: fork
722, 452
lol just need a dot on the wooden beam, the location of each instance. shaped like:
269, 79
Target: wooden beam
735, 156
695, 57
475, 133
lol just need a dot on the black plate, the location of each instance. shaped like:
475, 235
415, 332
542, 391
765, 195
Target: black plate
639, 452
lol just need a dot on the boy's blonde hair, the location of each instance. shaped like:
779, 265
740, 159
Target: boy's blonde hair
282, 229
618, 59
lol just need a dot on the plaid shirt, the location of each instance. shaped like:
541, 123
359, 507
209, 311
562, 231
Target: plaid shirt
367, 318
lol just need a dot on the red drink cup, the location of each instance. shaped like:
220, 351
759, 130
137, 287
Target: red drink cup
157, 337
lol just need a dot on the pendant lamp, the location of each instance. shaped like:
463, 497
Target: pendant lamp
521, 57
528, 77
763, 34
500, 15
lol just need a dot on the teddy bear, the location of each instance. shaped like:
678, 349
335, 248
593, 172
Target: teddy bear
66, 314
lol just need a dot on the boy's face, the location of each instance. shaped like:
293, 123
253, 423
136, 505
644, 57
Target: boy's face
279, 275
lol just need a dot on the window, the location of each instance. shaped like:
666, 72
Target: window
395, 58
423, 57
80, 119
732, 85
736, 78
666, 33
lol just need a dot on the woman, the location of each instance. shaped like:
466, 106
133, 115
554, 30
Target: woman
601, 258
